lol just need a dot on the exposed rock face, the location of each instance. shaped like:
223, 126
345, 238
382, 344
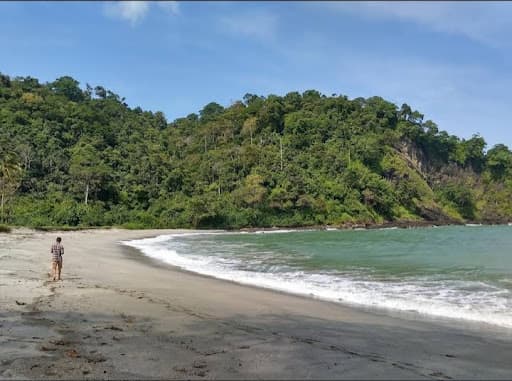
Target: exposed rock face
435, 214
414, 156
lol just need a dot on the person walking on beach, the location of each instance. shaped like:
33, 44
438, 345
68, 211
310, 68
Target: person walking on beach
57, 251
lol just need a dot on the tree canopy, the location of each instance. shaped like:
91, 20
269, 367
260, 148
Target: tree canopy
81, 157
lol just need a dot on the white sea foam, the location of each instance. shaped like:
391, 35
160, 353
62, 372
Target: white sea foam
469, 300
280, 231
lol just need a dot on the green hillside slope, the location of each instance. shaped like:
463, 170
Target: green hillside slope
74, 157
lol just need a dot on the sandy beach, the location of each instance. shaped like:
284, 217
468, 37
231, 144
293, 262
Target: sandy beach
120, 315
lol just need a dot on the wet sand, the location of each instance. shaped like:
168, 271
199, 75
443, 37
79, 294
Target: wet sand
118, 314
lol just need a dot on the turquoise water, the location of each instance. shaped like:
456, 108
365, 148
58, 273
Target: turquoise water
456, 272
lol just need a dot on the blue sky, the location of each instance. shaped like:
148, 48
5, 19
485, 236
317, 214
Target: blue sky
452, 61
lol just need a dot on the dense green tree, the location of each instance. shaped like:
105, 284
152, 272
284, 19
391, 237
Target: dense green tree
499, 161
68, 87
83, 157
210, 111
86, 168
10, 178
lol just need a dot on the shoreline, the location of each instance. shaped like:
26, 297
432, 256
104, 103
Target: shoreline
410, 224
116, 315
384, 225
471, 325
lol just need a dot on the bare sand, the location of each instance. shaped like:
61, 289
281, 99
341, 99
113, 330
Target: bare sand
120, 315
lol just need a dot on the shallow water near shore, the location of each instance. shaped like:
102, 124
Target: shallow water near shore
460, 272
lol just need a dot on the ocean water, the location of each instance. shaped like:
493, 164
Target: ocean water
462, 272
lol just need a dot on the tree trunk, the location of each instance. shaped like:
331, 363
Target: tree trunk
281, 151
86, 193
2, 208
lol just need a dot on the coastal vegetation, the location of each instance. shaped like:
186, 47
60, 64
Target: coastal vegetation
4, 229
80, 156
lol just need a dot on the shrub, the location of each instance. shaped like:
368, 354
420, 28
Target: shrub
5, 229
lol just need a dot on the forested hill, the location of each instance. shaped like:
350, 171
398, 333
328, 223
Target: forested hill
74, 156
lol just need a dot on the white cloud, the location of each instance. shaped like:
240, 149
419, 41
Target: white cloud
260, 25
131, 11
172, 7
135, 11
485, 22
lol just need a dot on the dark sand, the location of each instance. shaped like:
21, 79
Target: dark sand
118, 314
